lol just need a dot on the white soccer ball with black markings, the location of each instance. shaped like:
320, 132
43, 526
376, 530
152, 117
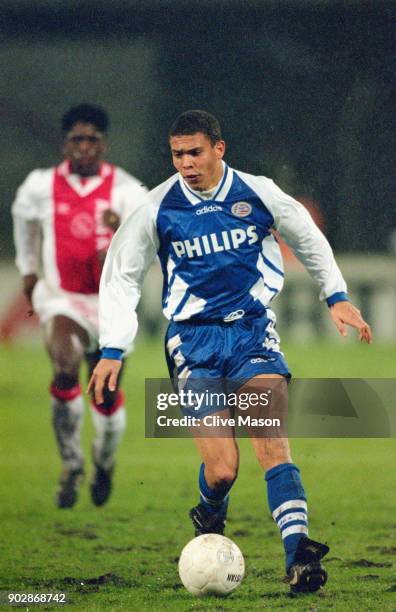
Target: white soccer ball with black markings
211, 564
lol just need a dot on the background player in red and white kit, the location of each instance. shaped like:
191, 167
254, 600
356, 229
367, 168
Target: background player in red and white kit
64, 219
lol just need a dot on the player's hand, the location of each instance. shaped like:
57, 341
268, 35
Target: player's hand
345, 313
29, 282
111, 220
105, 374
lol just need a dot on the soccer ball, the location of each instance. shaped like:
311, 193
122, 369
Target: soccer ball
211, 564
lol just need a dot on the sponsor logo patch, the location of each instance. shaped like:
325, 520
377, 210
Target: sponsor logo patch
241, 209
215, 243
63, 208
262, 359
208, 209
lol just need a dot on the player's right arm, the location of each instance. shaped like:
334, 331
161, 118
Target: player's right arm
132, 250
27, 229
105, 374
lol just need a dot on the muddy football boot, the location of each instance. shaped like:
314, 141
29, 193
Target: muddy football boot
307, 574
101, 485
69, 485
207, 522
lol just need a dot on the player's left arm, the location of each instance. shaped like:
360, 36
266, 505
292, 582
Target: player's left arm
343, 314
311, 247
27, 219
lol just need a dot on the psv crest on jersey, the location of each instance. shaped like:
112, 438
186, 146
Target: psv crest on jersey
241, 209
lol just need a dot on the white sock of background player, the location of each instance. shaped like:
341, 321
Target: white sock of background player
109, 424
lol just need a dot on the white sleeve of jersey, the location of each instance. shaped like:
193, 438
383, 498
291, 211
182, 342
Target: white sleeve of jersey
128, 195
299, 231
132, 250
27, 215
27, 240
30, 194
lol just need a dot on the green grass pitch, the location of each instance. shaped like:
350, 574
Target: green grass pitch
124, 556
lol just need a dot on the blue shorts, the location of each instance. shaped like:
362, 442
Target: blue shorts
213, 355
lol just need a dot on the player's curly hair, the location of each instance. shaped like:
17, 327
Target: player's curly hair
86, 113
194, 121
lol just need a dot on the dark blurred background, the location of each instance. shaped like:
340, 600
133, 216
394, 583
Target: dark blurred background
302, 89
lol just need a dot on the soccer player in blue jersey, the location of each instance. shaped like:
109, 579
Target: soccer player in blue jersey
211, 227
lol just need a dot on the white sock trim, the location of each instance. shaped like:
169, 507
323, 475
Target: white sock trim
292, 516
294, 529
292, 503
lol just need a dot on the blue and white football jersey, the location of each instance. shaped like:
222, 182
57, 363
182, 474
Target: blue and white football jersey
219, 257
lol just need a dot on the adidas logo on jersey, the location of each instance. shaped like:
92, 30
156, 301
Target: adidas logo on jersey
208, 209
215, 243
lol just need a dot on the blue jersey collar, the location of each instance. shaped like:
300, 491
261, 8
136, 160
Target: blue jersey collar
219, 195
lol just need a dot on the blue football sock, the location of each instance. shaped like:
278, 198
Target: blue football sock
288, 505
214, 500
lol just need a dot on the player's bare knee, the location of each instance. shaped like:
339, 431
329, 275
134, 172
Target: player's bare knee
66, 369
65, 348
64, 380
65, 360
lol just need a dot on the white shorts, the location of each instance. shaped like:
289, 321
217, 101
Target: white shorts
48, 302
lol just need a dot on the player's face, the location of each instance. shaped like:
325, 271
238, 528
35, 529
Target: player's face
84, 146
198, 160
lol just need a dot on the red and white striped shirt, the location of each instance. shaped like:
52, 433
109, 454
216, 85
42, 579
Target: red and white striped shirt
58, 218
